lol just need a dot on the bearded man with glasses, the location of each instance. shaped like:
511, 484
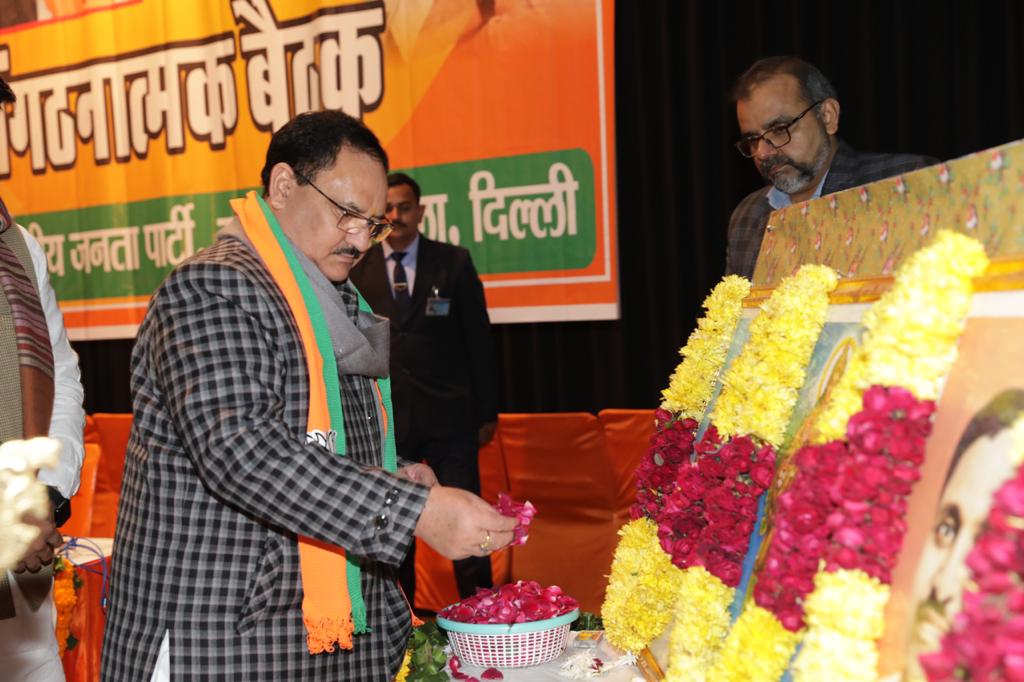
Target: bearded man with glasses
788, 116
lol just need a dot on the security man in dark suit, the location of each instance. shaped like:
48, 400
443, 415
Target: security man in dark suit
442, 355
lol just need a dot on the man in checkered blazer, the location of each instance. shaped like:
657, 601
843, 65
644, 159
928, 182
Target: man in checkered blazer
219, 478
788, 116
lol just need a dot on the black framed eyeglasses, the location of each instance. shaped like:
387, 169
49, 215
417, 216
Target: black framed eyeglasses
351, 221
776, 136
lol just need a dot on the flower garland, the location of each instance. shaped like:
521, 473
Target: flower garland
66, 584
866, 526
703, 606
840, 523
693, 381
707, 522
849, 640
762, 385
798, 543
658, 471
910, 334
642, 588
758, 648
909, 346
632, 617
984, 642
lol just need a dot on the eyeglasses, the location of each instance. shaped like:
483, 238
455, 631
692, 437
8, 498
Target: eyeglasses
776, 136
351, 221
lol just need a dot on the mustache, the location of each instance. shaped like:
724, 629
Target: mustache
347, 250
773, 161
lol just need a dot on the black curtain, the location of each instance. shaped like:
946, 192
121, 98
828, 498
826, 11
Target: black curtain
935, 78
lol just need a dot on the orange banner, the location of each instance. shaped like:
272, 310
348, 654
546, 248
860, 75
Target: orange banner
138, 120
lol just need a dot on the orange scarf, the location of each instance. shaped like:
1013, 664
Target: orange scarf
332, 605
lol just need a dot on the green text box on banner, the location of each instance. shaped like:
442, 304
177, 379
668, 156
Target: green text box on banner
525, 213
127, 249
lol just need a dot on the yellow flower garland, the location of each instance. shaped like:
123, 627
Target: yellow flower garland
760, 390
758, 648
762, 385
693, 381
642, 588
701, 624
910, 334
840, 641
687, 395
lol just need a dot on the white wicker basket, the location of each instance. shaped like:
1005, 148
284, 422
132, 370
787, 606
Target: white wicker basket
509, 646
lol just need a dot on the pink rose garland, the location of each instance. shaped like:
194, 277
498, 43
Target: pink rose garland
847, 505
986, 640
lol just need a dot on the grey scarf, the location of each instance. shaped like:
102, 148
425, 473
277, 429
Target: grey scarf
362, 347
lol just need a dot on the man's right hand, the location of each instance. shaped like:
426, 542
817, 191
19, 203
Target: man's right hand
458, 524
40, 552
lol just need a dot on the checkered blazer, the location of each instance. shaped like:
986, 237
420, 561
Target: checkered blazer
218, 481
849, 169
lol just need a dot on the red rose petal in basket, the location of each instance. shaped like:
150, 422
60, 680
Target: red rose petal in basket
492, 674
524, 513
519, 602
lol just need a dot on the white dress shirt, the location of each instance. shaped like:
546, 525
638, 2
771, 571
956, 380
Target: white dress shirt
68, 418
408, 262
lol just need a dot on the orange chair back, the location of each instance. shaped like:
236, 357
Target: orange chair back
557, 462
113, 431
627, 435
435, 579
80, 523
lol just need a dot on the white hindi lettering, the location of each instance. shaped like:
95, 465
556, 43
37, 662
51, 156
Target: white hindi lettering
331, 58
210, 91
170, 243
350, 75
145, 99
542, 210
53, 247
434, 224
114, 248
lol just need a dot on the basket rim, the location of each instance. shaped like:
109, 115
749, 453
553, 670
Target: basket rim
506, 629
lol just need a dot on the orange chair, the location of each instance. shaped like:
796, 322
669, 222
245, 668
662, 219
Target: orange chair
80, 523
627, 435
557, 462
113, 430
90, 434
435, 579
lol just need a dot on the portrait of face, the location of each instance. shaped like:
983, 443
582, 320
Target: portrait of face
404, 212
314, 224
981, 468
796, 166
